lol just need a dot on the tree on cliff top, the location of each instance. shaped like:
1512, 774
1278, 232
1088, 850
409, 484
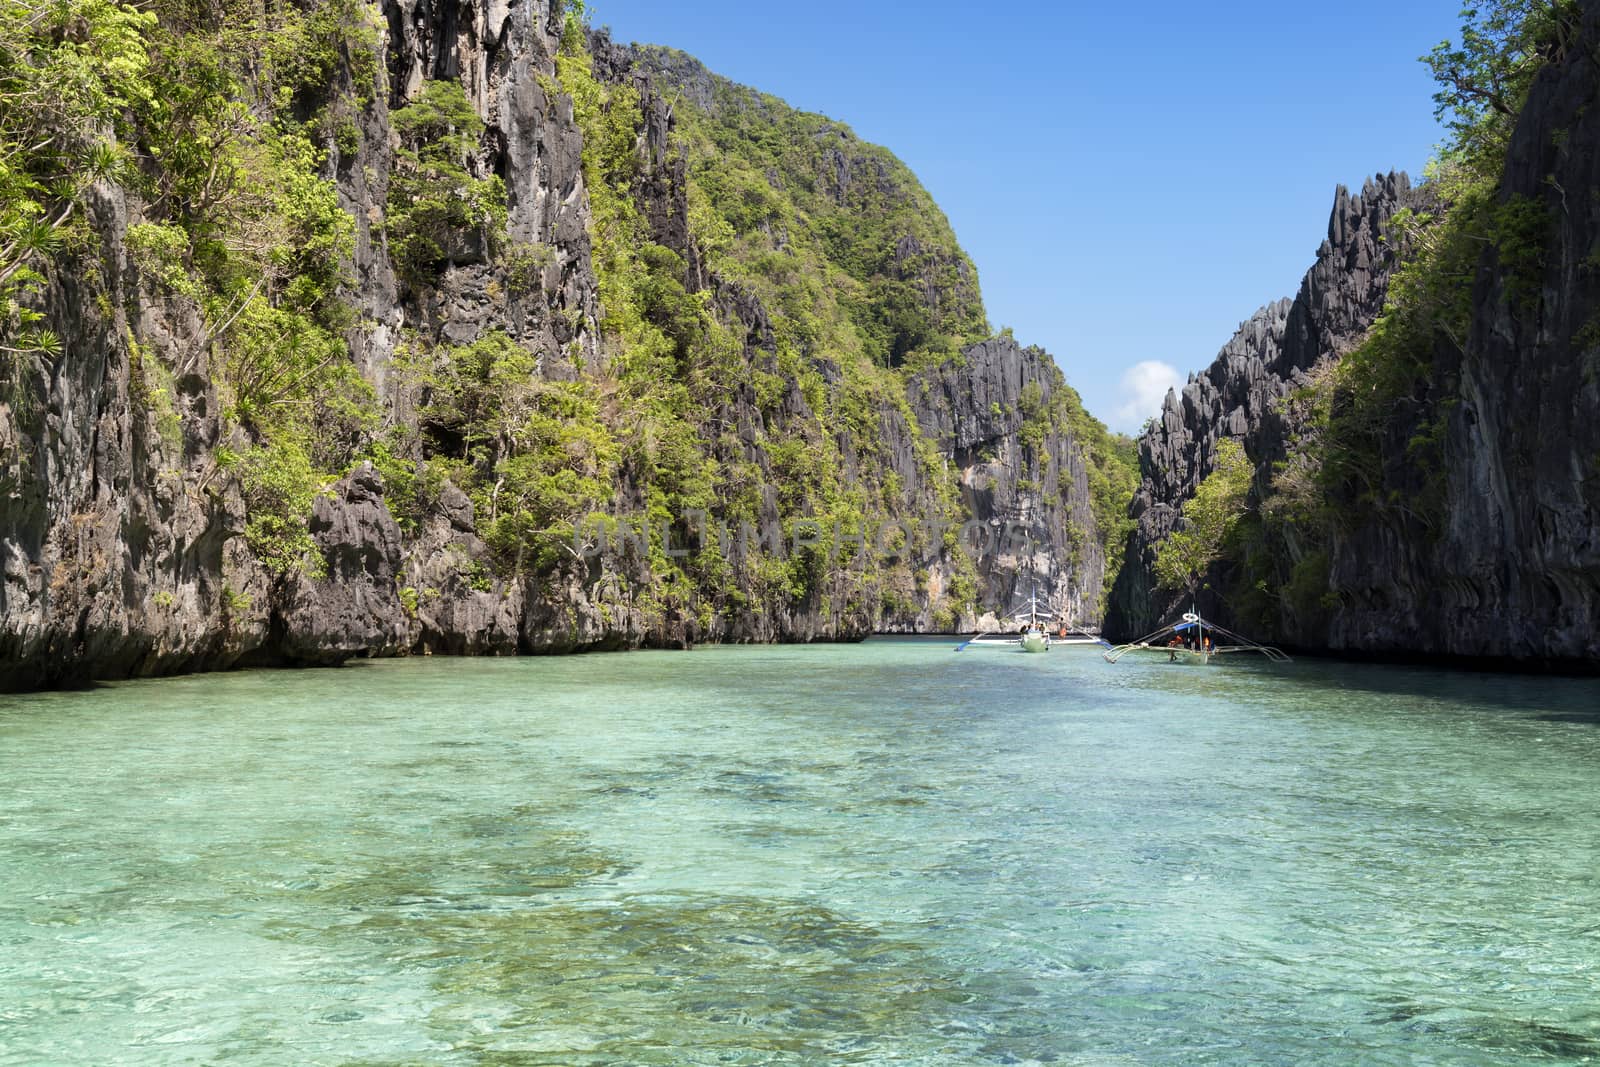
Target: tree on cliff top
1484, 78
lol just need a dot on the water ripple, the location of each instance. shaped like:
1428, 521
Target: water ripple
872, 854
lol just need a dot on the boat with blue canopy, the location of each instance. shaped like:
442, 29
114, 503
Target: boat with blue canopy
1195, 641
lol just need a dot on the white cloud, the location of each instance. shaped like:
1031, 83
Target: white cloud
1144, 386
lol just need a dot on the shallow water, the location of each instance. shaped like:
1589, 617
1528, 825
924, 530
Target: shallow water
882, 853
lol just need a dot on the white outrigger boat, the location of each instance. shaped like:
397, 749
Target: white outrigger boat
1034, 635
1193, 640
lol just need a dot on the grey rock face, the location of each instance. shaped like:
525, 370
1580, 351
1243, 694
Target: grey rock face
1039, 502
499, 52
122, 548
1240, 395
458, 610
113, 524
355, 608
1514, 575
1511, 575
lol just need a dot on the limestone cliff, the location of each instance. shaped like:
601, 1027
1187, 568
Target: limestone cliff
1513, 572
1242, 395
144, 528
1438, 494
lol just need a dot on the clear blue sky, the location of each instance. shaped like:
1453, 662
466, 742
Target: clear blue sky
1132, 179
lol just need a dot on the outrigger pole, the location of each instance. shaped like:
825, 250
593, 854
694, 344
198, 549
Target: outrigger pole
1192, 620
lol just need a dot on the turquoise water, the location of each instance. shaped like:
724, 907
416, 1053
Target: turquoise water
884, 853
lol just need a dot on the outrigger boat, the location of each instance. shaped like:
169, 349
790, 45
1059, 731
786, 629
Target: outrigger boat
1193, 640
1034, 636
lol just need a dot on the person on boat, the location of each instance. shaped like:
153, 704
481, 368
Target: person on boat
1206, 642
1172, 648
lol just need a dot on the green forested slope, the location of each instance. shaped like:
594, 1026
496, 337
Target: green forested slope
830, 227
849, 253
273, 245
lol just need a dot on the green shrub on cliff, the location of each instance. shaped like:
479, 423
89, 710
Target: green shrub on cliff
439, 212
279, 486
474, 395
69, 74
181, 104
560, 465
1209, 521
1484, 77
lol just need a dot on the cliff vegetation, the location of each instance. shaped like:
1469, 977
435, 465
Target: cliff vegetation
333, 329
1415, 421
